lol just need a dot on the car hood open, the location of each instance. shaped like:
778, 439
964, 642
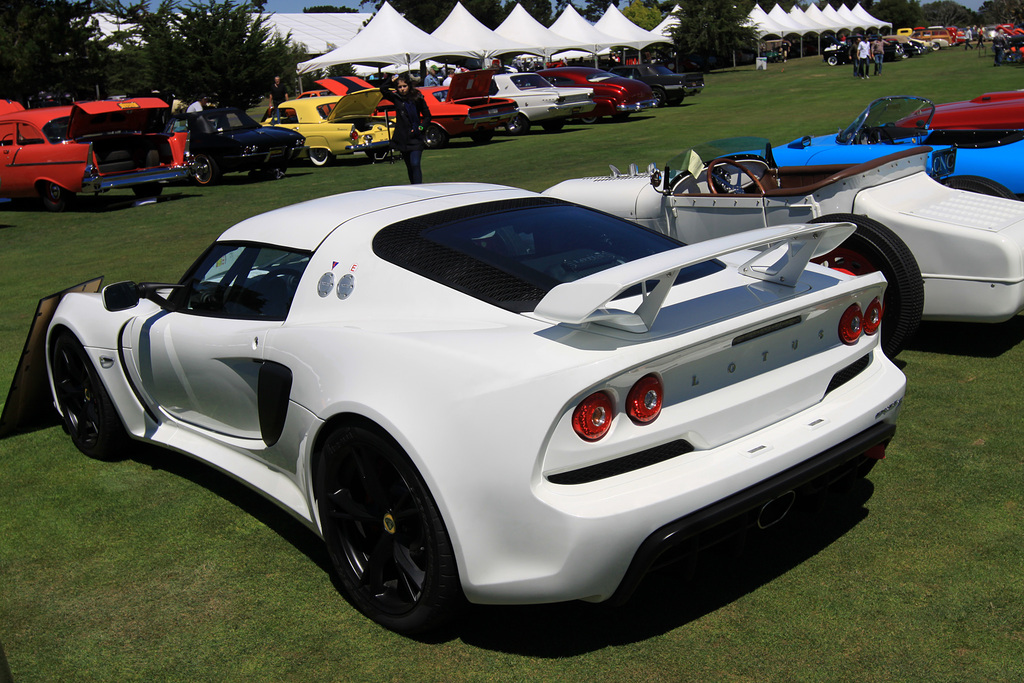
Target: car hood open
355, 104
108, 116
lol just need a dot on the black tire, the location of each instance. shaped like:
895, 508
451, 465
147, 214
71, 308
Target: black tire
832, 60
482, 136
979, 184
384, 535
553, 125
660, 98
435, 137
148, 190
589, 119
55, 198
874, 247
519, 125
205, 170
320, 156
85, 407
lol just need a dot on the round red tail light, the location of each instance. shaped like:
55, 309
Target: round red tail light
851, 325
353, 134
873, 316
643, 404
593, 416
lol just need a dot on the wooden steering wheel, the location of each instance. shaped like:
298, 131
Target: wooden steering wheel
718, 182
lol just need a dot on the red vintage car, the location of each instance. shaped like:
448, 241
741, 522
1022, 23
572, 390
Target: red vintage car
462, 108
615, 96
994, 110
57, 152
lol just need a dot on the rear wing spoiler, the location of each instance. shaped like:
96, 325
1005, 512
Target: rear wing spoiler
785, 252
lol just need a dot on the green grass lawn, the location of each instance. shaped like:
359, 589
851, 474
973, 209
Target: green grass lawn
156, 568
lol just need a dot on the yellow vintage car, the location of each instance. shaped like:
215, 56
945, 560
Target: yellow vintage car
337, 125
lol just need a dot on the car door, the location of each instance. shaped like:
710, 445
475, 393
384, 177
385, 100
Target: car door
199, 361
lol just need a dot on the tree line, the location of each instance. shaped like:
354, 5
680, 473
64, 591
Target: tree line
227, 48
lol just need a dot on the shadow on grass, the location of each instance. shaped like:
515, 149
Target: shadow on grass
979, 340
239, 495
102, 202
666, 599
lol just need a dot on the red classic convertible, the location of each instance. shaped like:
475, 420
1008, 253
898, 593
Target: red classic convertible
462, 108
57, 152
614, 96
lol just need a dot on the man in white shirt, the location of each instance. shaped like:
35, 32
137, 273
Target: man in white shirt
197, 106
863, 54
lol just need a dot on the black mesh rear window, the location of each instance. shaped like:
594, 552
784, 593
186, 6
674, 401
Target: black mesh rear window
511, 253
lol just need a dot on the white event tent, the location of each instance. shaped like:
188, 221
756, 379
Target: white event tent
463, 29
520, 25
615, 24
387, 39
571, 25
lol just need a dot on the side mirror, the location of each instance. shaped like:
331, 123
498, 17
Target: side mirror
121, 296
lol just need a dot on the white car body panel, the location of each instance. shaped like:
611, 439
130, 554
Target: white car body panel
969, 247
542, 104
480, 398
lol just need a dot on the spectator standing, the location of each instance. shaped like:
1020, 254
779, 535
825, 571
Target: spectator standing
998, 45
448, 78
197, 106
968, 37
411, 120
863, 54
981, 39
432, 79
278, 95
878, 52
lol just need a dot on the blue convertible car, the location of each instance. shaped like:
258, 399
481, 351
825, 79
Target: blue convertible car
985, 161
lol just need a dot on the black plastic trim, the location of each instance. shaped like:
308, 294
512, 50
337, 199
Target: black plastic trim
676, 533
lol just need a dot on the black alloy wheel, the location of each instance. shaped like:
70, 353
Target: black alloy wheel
387, 542
85, 407
874, 247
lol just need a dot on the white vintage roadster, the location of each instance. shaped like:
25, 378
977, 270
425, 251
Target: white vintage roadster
947, 254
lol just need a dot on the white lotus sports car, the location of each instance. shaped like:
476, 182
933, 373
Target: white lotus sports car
474, 390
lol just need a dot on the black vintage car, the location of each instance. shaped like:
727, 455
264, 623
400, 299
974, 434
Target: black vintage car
227, 140
668, 86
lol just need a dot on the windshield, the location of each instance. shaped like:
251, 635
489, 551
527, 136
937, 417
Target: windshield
57, 130
890, 111
694, 160
662, 70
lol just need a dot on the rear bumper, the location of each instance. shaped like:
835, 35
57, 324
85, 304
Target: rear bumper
684, 538
98, 183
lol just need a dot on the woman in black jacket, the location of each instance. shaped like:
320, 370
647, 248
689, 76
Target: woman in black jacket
411, 119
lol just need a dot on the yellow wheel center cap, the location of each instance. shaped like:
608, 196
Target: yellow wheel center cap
389, 523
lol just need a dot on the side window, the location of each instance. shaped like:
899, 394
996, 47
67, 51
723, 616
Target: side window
29, 135
7, 134
245, 282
